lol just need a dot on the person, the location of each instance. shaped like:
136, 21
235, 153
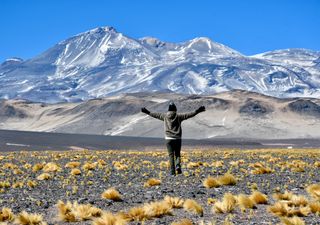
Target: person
173, 132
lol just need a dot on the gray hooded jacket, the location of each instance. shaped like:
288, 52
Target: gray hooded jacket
172, 122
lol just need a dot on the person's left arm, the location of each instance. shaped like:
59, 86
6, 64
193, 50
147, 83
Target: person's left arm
185, 116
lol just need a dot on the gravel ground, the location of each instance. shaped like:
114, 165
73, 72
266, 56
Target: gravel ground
292, 170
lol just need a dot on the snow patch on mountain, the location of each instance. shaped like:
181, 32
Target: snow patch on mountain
103, 62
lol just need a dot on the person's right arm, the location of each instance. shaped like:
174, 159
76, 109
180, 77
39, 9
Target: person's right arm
159, 116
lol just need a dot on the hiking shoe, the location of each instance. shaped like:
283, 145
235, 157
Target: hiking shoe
179, 171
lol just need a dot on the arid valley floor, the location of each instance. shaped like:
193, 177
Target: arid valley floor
217, 186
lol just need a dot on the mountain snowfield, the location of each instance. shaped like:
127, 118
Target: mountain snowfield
103, 62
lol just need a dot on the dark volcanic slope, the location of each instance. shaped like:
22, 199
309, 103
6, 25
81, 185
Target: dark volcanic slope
23, 140
236, 114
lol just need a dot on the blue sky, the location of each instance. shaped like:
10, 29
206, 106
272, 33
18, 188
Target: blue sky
28, 27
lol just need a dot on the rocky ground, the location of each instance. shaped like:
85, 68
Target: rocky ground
268, 171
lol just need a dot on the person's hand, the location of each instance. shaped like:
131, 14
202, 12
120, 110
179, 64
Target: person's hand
144, 110
201, 109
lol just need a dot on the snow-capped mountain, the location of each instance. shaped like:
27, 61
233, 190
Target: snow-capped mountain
103, 62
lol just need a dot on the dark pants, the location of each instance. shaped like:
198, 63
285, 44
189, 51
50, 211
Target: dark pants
174, 148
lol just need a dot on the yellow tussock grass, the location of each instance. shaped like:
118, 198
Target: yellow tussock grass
72, 165
227, 204
44, 176
157, 209
282, 209
298, 200
86, 211
245, 202
183, 222
31, 183
75, 172
259, 198
283, 196
89, 166
314, 207
51, 167
108, 218
137, 214
6, 215
152, 182
211, 182
227, 179
292, 221
217, 164
279, 209
111, 194
37, 167
314, 190
25, 218
175, 202
66, 212
193, 206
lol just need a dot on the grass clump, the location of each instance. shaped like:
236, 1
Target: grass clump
193, 206
152, 182
111, 194
25, 218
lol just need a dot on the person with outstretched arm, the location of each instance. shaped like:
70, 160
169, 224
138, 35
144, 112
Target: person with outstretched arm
173, 132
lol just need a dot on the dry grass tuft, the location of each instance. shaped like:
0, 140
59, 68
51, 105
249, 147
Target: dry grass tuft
89, 166
211, 182
119, 166
51, 167
137, 214
245, 202
152, 182
283, 196
66, 212
175, 202
111, 194
25, 218
183, 222
260, 168
227, 204
37, 167
31, 183
279, 209
227, 179
6, 215
292, 221
72, 165
44, 176
75, 172
314, 191
193, 206
108, 218
282, 209
259, 198
314, 207
157, 209
86, 211
76, 212
298, 200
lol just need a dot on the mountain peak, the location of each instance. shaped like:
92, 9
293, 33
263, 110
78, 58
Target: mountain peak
103, 29
102, 62
152, 41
